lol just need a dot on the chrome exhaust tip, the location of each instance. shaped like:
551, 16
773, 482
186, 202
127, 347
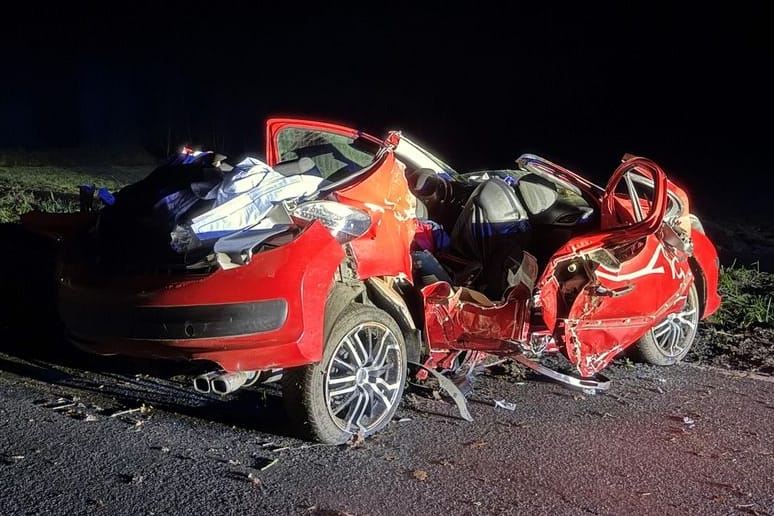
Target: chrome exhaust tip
227, 383
202, 383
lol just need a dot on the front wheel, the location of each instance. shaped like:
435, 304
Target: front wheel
670, 340
358, 384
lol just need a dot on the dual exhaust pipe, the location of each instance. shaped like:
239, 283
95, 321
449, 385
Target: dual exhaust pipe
221, 382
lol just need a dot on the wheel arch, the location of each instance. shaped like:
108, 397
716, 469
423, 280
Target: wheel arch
701, 282
340, 296
385, 297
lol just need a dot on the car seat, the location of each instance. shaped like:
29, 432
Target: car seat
538, 193
492, 230
294, 167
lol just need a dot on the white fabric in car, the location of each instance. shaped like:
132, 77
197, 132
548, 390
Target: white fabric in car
245, 197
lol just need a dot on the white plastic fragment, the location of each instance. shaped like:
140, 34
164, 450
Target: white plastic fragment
507, 405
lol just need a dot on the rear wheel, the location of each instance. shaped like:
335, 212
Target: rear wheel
358, 384
670, 340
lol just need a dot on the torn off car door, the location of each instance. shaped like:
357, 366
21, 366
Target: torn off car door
601, 292
465, 319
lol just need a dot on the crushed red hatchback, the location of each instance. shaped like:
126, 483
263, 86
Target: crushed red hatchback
345, 261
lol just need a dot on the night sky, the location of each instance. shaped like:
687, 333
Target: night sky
689, 88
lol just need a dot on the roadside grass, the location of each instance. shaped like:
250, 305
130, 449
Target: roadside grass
55, 189
747, 298
740, 334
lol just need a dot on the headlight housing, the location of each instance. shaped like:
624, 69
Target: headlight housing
344, 222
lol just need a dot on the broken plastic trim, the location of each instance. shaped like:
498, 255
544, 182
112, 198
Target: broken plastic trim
587, 385
451, 389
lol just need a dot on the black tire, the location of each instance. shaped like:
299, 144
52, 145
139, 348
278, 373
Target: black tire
365, 358
669, 341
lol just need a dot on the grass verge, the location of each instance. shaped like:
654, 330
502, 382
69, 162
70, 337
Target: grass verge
55, 189
740, 335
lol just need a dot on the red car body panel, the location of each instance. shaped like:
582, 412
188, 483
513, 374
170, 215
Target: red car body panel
384, 250
466, 319
57, 226
707, 257
385, 195
275, 125
618, 307
299, 272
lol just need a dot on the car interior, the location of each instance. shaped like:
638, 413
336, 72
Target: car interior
492, 218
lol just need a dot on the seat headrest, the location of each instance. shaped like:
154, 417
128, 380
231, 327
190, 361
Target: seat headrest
294, 167
538, 193
423, 182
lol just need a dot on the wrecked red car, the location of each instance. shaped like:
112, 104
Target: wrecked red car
347, 260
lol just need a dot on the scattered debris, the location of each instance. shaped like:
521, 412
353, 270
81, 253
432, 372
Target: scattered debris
357, 440
689, 422
132, 479
63, 406
253, 477
451, 389
268, 465
403, 420
507, 405
319, 511
126, 411
477, 444
11, 459
273, 447
72, 407
420, 474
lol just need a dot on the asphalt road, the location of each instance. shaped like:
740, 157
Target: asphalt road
100, 436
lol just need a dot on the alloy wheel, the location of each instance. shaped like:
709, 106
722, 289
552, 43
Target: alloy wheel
364, 378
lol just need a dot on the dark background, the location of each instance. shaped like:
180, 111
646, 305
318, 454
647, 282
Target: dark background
687, 87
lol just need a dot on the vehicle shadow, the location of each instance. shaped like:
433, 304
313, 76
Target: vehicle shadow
45, 356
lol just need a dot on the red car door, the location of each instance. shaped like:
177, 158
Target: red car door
601, 292
284, 135
338, 151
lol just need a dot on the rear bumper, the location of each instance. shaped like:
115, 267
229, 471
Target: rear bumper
177, 322
266, 314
